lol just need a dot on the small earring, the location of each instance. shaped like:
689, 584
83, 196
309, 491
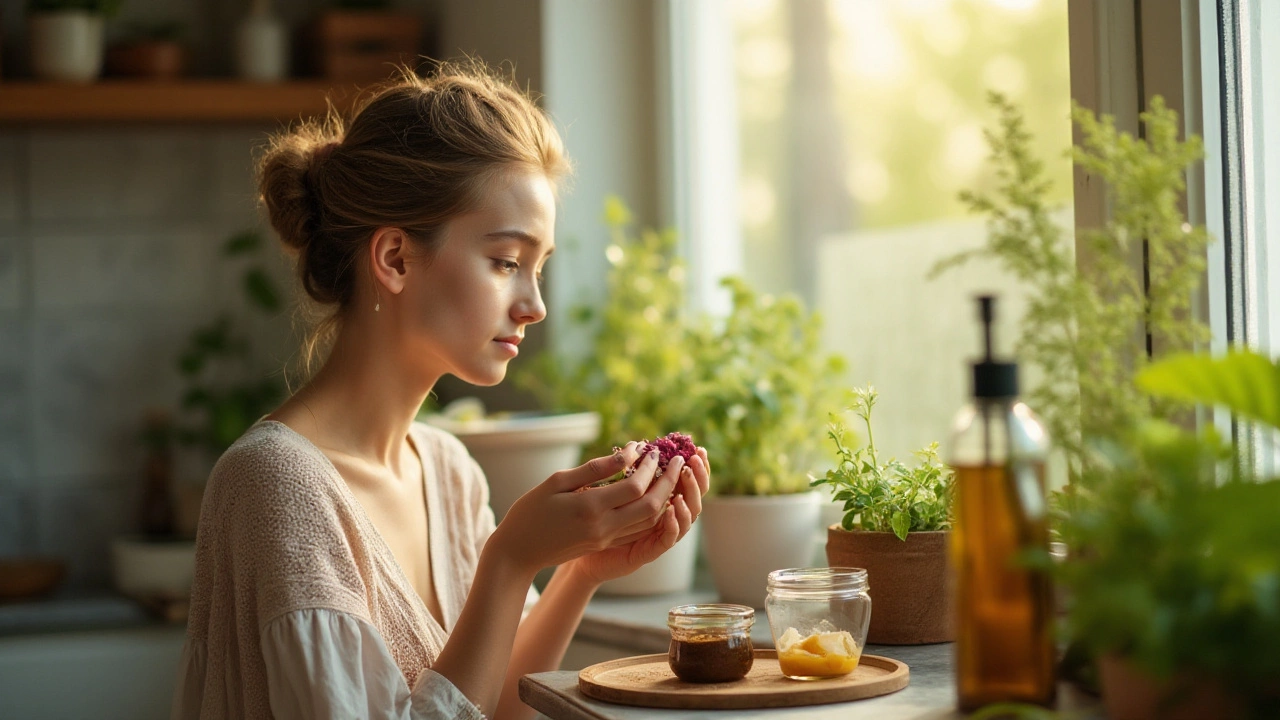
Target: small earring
377, 307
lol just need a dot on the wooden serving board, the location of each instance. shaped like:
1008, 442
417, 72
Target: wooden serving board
647, 681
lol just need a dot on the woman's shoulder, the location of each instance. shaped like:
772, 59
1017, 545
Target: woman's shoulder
269, 457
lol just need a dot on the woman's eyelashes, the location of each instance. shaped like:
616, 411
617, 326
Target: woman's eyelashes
511, 267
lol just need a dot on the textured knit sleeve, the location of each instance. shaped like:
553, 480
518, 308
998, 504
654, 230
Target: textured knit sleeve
324, 664
291, 539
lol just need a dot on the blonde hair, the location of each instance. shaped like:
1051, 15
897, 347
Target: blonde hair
416, 152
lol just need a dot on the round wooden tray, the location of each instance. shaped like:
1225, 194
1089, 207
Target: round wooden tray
647, 681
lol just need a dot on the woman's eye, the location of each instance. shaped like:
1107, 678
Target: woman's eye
506, 265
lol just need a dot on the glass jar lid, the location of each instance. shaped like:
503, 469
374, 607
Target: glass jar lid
708, 616
817, 582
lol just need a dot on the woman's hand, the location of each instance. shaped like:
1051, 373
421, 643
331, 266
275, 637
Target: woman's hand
554, 523
644, 546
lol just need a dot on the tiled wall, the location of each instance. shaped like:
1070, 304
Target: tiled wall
109, 240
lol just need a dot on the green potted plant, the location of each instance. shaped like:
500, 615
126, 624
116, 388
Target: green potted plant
762, 389
66, 38
896, 525
634, 373
227, 389
1170, 570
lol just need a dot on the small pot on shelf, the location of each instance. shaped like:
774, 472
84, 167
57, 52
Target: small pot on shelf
149, 59
66, 45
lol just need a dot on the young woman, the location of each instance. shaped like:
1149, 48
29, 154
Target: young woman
347, 561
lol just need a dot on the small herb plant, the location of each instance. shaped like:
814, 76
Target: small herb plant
888, 496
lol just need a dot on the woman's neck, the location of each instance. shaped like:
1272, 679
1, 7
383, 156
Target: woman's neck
361, 402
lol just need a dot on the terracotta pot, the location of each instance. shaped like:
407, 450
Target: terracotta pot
155, 59
1130, 693
910, 583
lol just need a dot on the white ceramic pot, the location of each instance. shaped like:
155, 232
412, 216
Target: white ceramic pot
262, 49
671, 572
153, 568
747, 537
66, 45
520, 451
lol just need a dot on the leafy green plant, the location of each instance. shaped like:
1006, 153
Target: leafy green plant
762, 391
637, 370
1172, 569
753, 388
226, 389
102, 7
885, 496
1088, 318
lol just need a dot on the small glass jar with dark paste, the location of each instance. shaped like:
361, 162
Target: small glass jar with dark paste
710, 643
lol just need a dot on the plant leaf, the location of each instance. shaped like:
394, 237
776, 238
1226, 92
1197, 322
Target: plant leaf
1242, 381
245, 241
901, 524
261, 290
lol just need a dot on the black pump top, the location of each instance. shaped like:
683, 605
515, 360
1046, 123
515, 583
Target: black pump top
992, 379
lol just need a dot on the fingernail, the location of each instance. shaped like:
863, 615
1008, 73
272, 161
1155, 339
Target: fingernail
653, 454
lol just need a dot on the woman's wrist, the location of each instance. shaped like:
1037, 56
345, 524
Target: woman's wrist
578, 577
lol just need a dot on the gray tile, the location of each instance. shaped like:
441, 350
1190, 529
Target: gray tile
78, 525
17, 523
11, 153
15, 416
108, 174
232, 154
11, 271
95, 375
161, 268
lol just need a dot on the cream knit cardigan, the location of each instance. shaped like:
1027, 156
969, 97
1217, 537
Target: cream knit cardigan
280, 532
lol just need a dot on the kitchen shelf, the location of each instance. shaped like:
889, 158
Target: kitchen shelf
167, 102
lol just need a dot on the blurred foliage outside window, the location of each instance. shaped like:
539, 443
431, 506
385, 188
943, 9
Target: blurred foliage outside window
860, 122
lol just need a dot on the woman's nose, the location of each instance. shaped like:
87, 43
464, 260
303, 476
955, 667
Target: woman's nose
530, 308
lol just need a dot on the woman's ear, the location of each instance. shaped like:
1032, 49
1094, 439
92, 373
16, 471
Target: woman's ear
388, 251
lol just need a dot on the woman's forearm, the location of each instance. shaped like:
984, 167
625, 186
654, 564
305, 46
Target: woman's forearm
485, 630
544, 636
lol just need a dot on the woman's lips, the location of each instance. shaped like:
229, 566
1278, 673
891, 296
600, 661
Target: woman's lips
508, 346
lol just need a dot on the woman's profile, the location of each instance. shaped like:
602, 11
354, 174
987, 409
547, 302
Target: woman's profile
348, 564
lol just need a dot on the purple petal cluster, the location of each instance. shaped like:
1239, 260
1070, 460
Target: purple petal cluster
676, 443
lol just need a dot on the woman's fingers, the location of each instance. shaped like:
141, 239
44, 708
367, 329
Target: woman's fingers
628, 490
684, 515
655, 498
594, 470
690, 492
702, 469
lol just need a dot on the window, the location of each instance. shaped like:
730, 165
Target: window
854, 125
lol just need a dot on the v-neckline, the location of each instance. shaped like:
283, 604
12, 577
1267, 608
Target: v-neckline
430, 501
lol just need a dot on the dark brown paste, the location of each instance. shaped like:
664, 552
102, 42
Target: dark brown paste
710, 658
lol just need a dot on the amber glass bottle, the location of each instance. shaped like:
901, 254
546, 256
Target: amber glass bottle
1004, 641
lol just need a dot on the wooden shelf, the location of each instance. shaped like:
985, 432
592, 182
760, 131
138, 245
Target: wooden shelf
167, 102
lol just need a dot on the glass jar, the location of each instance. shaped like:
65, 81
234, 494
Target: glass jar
710, 642
819, 618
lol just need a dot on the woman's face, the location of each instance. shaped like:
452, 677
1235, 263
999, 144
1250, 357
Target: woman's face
469, 306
